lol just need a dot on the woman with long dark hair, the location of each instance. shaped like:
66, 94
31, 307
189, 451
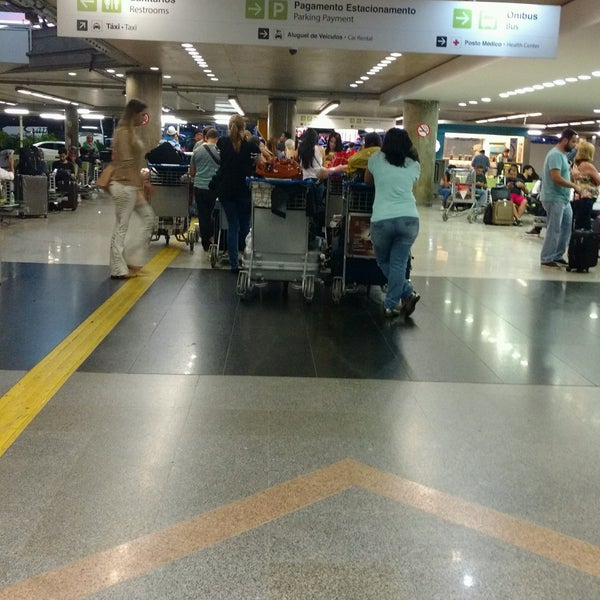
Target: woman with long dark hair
395, 220
129, 191
238, 160
310, 158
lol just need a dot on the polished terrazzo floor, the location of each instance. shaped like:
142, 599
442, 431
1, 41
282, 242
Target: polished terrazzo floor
214, 448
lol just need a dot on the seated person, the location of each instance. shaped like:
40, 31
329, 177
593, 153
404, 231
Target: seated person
518, 192
445, 188
290, 150
64, 171
357, 163
529, 175
172, 137
91, 147
481, 186
7, 164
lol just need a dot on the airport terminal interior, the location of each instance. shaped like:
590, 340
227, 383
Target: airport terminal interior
184, 443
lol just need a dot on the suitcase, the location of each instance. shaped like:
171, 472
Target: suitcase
502, 206
583, 250
69, 199
502, 212
32, 195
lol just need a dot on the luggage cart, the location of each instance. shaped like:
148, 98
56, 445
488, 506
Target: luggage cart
353, 258
334, 193
170, 202
462, 199
218, 249
280, 238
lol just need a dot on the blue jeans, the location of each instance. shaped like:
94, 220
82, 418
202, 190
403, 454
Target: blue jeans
238, 225
444, 193
392, 240
559, 222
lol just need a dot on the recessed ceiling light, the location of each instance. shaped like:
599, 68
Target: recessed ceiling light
110, 70
548, 84
359, 82
597, 110
353, 85
187, 45
486, 99
584, 77
473, 102
365, 78
214, 79
120, 74
396, 54
571, 79
72, 74
154, 69
559, 82
166, 77
390, 57
596, 73
538, 86
462, 103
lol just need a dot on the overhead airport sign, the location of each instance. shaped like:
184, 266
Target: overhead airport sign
426, 26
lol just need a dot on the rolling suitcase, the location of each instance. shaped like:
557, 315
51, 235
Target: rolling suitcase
69, 200
32, 195
502, 206
583, 250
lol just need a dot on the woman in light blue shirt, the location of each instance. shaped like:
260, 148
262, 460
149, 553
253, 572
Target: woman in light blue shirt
395, 220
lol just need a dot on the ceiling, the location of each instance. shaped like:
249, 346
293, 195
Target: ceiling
315, 76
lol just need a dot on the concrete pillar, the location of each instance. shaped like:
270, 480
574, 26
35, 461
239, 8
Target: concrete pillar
421, 123
281, 116
147, 87
71, 126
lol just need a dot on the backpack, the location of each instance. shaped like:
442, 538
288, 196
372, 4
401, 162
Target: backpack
31, 161
165, 154
63, 179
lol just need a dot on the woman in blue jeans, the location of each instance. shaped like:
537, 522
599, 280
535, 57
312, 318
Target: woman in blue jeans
238, 159
395, 220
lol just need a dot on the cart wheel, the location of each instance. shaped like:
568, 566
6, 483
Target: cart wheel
197, 231
469, 219
308, 287
336, 290
167, 238
214, 255
445, 215
569, 269
242, 283
191, 241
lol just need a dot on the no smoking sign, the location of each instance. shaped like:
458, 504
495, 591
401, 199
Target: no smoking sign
423, 130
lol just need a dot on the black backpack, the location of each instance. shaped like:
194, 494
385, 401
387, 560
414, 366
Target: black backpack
31, 161
165, 154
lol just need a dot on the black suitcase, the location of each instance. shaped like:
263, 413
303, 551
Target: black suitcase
583, 250
69, 199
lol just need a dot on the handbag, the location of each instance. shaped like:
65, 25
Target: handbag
105, 177
279, 168
215, 182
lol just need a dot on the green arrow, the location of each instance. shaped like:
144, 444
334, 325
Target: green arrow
256, 9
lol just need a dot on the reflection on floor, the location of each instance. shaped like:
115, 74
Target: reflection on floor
217, 448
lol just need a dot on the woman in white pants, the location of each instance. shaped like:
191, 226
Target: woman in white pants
129, 191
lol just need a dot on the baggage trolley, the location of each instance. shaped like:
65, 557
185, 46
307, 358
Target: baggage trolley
280, 238
353, 256
218, 249
334, 193
462, 199
170, 202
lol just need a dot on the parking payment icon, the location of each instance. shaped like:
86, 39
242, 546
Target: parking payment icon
278, 9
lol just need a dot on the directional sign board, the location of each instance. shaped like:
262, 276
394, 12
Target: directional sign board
427, 26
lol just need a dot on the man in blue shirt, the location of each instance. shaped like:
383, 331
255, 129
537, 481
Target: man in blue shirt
556, 200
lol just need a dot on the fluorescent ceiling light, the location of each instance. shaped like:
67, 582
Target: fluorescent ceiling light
236, 105
329, 107
53, 116
92, 116
43, 96
16, 111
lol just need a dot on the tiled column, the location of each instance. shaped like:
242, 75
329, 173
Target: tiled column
281, 116
147, 87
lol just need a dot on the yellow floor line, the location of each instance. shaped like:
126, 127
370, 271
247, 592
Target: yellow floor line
31, 393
